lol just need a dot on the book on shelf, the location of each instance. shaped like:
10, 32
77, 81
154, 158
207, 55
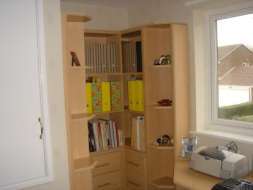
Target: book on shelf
138, 133
103, 96
96, 97
139, 56
131, 95
135, 95
139, 101
102, 56
132, 56
89, 97
104, 135
116, 96
106, 97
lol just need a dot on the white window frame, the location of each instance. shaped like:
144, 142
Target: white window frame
212, 18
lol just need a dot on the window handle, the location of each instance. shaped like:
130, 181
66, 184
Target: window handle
41, 128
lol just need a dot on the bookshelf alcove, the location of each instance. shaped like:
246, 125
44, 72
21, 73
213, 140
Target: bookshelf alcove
113, 126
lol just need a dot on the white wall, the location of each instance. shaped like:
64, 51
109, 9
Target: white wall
159, 11
52, 20
103, 18
116, 18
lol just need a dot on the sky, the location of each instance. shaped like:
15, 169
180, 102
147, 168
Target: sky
236, 30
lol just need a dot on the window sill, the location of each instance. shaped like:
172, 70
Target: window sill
248, 139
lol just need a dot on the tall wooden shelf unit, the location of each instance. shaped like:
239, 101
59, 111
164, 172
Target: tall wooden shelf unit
125, 167
162, 82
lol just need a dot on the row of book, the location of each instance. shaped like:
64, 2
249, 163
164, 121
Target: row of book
103, 96
104, 135
135, 95
132, 56
138, 133
102, 56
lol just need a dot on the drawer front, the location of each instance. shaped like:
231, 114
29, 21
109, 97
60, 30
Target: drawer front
135, 161
136, 167
131, 185
109, 181
107, 163
135, 178
136, 173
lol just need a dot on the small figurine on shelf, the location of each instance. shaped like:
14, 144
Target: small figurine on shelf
74, 61
165, 102
164, 140
163, 60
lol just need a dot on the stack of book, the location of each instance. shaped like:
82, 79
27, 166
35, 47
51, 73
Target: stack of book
135, 95
103, 96
138, 133
102, 56
104, 135
132, 56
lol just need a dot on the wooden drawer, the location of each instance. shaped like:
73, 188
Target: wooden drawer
135, 178
107, 163
135, 182
109, 181
134, 186
135, 161
135, 170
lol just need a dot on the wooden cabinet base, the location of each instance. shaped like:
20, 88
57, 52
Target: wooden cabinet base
109, 181
82, 180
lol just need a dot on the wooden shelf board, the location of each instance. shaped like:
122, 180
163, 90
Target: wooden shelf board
163, 183
133, 149
110, 112
161, 147
100, 33
78, 18
77, 68
133, 73
104, 74
83, 115
106, 151
131, 39
135, 112
162, 66
84, 163
163, 107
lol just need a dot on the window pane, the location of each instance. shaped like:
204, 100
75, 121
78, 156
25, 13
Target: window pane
235, 68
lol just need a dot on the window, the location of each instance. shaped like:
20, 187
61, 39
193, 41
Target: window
232, 99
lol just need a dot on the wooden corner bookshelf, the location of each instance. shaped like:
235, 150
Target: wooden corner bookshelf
113, 110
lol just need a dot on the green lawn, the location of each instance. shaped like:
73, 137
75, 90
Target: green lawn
241, 112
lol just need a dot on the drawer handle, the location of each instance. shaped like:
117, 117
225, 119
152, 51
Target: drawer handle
103, 165
133, 183
134, 164
104, 185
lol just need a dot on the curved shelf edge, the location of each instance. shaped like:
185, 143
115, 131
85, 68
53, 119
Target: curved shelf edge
78, 18
168, 66
83, 115
162, 107
84, 164
161, 147
88, 116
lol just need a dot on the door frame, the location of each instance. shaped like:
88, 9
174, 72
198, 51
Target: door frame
49, 176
